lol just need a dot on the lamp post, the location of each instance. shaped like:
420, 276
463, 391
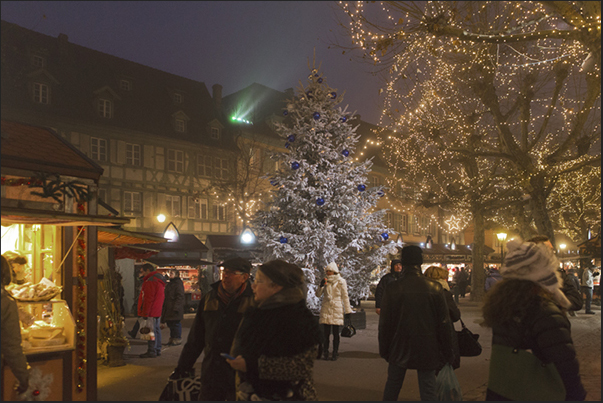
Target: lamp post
247, 237
501, 238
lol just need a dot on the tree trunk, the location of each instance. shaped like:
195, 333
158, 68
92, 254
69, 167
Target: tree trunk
478, 275
539, 210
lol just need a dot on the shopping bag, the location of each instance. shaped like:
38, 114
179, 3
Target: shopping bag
146, 330
447, 385
517, 374
468, 344
183, 389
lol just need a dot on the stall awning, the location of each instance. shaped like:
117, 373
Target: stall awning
15, 215
163, 262
119, 236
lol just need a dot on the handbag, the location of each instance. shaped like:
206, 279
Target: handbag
447, 385
348, 329
468, 344
183, 389
517, 374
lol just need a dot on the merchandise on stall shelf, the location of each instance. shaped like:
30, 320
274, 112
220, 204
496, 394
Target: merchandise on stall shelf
45, 290
42, 334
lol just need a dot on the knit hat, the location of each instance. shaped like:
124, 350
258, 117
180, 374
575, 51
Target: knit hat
238, 264
333, 267
411, 255
282, 273
535, 262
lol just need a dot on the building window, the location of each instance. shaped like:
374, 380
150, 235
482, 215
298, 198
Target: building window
132, 202
105, 108
425, 221
178, 98
215, 133
41, 93
38, 61
181, 125
125, 85
396, 223
98, 149
219, 212
404, 223
220, 168
172, 205
204, 165
374, 181
193, 207
175, 161
133, 154
203, 209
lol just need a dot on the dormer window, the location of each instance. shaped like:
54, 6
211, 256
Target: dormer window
178, 98
180, 125
38, 61
125, 85
41, 93
215, 133
105, 108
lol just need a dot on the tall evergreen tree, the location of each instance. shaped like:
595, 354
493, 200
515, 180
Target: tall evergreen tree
322, 209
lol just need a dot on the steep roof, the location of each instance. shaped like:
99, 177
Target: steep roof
40, 149
78, 75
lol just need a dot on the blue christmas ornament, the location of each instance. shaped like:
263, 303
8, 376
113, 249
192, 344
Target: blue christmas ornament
385, 236
316, 115
283, 239
361, 188
319, 80
294, 165
333, 95
343, 119
320, 201
285, 113
291, 138
345, 153
380, 193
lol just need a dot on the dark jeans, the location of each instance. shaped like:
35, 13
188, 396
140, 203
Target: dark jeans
395, 379
327, 330
588, 291
175, 328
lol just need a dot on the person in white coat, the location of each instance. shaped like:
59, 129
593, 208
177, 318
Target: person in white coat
335, 305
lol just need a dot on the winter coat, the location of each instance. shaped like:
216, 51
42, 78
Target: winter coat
587, 278
414, 325
385, 280
212, 333
335, 300
545, 330
173, 305
12, 351
152, 294
571, 290
278, 340
493, 277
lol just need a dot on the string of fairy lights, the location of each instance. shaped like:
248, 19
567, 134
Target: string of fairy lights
434, 54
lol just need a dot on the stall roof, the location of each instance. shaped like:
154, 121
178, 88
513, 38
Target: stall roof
119, 236
15, 215
166, 261
40, 149
185, 243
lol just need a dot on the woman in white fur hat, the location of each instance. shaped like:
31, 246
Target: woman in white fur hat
335, 304
527, 311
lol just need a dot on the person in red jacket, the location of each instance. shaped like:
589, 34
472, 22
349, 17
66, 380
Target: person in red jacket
150, 305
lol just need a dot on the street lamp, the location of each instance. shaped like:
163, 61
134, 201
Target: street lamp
161, 217
501, 238
171, 233
247, 237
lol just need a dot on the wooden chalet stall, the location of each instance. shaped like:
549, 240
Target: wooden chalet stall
49, 218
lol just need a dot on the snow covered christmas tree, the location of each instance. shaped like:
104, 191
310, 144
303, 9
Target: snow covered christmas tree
321, 208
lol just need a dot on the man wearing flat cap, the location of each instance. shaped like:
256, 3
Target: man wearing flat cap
213, 330
414, 328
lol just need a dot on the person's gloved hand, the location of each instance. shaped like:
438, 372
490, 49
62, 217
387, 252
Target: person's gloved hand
182, 373
323, 282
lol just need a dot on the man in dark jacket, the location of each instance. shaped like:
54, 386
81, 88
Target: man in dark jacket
173, 307
150, 305
213, 331
393, 275
414, 328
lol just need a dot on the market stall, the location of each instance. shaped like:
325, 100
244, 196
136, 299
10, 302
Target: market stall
49, 233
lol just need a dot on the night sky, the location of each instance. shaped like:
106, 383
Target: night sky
230, 43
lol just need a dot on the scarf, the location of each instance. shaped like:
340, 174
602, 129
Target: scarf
225, 297
286, 296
